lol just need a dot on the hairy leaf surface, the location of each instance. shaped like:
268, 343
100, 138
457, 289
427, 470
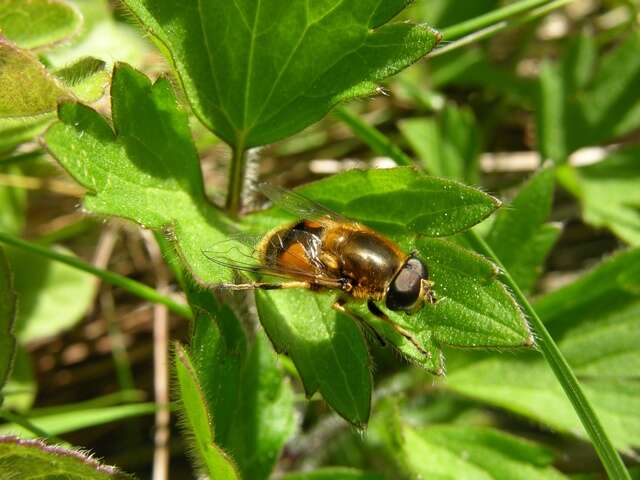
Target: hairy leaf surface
256, 71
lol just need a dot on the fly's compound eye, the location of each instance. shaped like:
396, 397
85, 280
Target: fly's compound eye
405, 291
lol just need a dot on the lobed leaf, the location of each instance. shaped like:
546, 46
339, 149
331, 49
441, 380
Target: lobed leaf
147, 170
198, 423
412, 202
474, 309
594, 321
26, 88
326, 346
8, 306
34, 459
38, 23
271, 68
519, 236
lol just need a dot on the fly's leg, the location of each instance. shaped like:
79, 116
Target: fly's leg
263, 286
339, 305
375, 310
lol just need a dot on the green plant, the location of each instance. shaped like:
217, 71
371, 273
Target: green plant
258, 72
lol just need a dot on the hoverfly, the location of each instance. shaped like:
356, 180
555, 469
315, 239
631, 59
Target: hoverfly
324, 250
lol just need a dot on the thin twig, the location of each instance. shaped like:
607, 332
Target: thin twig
160, 364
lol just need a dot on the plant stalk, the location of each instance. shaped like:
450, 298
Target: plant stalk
492, 29
236, 180
139, 289
608, 454
473, 25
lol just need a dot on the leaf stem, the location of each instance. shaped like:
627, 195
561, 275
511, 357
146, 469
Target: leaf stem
139, 289
236, 180
608, 455
378, 142
464, 28
492, 29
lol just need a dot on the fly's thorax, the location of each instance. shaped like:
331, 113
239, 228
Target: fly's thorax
369, 260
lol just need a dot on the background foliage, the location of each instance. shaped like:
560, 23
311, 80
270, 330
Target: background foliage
525, 138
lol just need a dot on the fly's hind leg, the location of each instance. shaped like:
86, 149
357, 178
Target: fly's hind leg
339, 305
263, 286
375, 310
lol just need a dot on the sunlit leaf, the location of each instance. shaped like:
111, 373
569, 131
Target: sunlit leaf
152, 179
452, 452
34, 459
26, 88
38, 23
519, 236
87, 78
594, 320
326, 346
609, 194
447, 145
53, 296
198, 423
256, 71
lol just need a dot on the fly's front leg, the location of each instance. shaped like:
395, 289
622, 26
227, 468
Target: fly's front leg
262, 286
375, 310
339, 305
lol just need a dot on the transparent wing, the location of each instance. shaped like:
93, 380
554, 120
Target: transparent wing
240, 252
298, 204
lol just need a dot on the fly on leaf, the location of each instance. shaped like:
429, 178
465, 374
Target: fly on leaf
324, 250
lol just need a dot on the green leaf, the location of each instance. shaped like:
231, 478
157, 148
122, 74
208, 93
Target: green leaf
198, 423
473, 309
53, 296
594, 321
452, 452
519, 236
265, 417
608, 192
87, 78
584, 104
326, 346
447, 145
26, 88
14, 131
34, 459
552, 118
70, 421
20, 390
412, 201
152, 179
38, 23
258, 71
7, 321
333, 473
218, 350
250, 402
13, 204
